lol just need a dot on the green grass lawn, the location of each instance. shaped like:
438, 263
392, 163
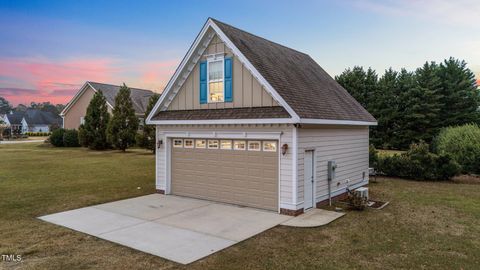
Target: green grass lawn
426, 226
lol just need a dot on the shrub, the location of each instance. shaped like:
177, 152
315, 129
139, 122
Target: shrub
373, 156
56, 139
70, 138
420, 164
462, 143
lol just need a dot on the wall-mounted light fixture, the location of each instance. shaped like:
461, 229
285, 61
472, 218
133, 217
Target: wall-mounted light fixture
159, 143
284, 149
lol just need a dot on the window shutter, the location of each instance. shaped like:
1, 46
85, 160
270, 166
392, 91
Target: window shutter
203, 82
228, 79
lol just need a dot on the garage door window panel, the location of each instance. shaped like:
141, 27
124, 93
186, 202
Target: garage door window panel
239, 145
178, 143
212, 144
200, 143
254, 146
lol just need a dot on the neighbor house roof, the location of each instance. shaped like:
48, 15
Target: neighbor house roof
301, 82
37, 117
15, 118
139, 97
232, 113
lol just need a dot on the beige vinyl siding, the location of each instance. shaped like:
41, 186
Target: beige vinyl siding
285, 163
247, 91
348, 146
71, 120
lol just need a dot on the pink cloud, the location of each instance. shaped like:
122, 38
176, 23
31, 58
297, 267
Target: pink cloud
46, 77
155, 75
27, 80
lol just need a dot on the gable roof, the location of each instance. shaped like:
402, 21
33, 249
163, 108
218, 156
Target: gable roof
139, 97
37, 117
15, 118
293, 78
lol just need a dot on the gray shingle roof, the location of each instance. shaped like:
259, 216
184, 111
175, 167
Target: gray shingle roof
37, 117
34, 117
298, 79
140, 97
235, 113
15, 118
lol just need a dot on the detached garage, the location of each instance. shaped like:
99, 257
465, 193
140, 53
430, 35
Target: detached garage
250, 122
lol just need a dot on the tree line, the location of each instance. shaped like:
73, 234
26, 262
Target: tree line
6, 107
413, 106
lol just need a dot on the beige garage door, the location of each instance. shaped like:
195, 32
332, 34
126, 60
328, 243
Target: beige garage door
231, 171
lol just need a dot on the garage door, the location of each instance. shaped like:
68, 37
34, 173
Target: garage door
232, 171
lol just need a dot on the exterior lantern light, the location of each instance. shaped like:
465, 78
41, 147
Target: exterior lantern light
284, 149
159, 143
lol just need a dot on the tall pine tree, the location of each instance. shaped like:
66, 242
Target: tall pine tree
423, 104
405, 82
146, 139
93, 133
385, 109
460, 96
123, 126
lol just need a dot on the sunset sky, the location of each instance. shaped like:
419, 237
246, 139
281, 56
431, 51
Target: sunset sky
48, 49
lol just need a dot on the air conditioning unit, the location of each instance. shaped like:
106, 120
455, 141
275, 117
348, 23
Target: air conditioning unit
362, 192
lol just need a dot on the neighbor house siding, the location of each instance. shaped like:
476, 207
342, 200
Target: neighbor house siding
71, 119
285, 164
348, 146
247, 91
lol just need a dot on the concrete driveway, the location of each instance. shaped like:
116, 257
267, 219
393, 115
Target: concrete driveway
175, 228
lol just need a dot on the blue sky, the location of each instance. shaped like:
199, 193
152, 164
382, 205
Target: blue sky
49, 48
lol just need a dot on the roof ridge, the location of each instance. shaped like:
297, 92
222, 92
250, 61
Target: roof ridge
131, 88
246, 32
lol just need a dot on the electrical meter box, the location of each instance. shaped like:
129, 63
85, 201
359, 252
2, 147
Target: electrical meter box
332, 166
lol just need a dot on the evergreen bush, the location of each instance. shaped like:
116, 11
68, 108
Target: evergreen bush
462, 143
70, 138
56, 139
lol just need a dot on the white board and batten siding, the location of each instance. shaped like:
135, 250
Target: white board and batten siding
250, 131
348, 146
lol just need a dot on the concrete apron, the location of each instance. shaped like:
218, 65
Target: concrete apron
175, 228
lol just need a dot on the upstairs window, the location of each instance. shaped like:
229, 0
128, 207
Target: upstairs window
215, 81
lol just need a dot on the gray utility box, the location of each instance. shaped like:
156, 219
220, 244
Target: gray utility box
332, 166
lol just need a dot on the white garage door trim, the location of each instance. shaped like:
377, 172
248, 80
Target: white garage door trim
220, 134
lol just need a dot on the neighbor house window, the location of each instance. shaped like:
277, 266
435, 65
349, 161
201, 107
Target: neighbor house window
188, 143
239, 145
212, 144
226, 144
254, 146
178, 143
200, 143
269, 146
215, 81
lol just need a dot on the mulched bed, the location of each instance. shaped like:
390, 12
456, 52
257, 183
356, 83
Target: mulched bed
377, 204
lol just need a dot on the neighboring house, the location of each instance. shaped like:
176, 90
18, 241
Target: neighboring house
251, 122
13, 122
74, 113
31, 121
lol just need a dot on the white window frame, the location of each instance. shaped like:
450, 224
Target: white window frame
267, 150
231, 144
82, 120
177, 146
204, 145
239, 149
208, 144
259, 146
215, 58
185, 143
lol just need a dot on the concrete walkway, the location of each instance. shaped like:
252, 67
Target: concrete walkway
15, 142
313, 218
176, 228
